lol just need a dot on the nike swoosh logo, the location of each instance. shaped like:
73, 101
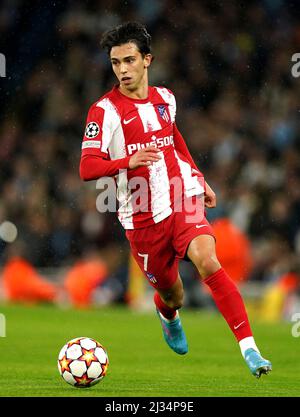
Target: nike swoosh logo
236, 327
129, 120
200, 225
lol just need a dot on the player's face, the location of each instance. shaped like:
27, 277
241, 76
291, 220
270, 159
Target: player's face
129, 66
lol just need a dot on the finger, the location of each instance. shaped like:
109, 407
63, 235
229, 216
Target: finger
151, 149
146, 154
142, 164
152, 154
150, 158
209, 203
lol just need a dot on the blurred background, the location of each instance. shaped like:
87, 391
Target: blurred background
229, 65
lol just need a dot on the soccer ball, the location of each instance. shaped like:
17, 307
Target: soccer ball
82, 362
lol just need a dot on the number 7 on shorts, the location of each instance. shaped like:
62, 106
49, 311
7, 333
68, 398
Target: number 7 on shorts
145, 256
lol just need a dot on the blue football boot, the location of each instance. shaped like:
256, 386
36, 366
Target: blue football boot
256, 363
174, 334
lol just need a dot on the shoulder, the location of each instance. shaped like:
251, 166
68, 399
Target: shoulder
163, 89
166, 94
105, 104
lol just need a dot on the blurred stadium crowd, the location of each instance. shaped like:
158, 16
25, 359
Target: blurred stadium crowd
229, 65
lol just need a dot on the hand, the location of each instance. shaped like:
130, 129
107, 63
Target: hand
210, 199
144, 157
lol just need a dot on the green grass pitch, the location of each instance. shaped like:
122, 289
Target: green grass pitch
141, 364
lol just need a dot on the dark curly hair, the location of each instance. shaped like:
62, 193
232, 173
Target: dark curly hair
127, 32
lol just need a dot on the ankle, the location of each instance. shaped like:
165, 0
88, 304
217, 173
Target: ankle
248, 343
167, 319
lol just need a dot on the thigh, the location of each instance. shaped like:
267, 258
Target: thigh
153, 251
187, 227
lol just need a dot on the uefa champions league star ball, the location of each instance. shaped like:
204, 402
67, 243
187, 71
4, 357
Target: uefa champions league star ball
82, 362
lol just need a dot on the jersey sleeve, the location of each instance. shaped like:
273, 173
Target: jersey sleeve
93, 167
180, 146
101, 123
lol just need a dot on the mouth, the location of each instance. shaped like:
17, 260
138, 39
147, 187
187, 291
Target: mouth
126, 80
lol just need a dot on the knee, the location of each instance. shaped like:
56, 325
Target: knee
207, 264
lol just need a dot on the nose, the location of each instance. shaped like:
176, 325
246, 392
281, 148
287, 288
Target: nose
123, 68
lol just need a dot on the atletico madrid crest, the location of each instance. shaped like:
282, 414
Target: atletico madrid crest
163, 112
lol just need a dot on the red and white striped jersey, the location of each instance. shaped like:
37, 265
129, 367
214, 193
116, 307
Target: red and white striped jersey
117, 127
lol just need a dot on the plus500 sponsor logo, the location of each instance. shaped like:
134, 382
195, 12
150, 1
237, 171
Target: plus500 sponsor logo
159, 143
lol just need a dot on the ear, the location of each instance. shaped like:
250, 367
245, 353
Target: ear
147, 60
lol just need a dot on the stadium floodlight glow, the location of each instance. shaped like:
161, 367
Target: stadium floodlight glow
8, 231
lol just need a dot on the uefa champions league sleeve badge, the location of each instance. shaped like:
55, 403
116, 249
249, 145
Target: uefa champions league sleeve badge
92, 130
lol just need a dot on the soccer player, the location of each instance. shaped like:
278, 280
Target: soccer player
131, 135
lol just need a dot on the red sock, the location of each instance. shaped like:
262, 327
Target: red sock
167, 312
230, 303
